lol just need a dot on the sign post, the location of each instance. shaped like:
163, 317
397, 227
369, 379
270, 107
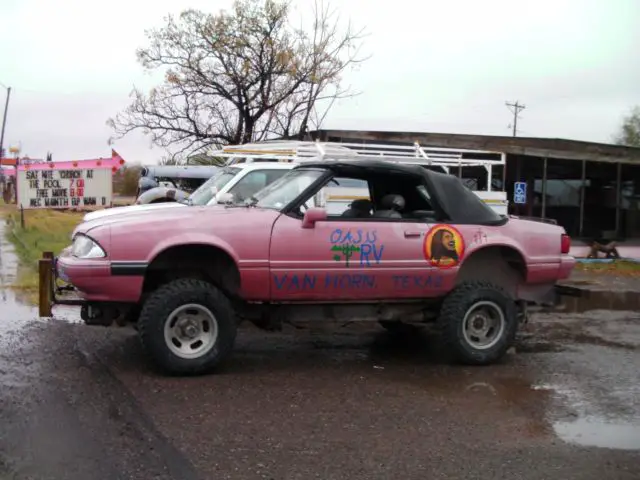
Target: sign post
520, 193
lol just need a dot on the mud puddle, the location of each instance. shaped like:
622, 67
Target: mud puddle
13, 312
597, 405
626, 300
598, 432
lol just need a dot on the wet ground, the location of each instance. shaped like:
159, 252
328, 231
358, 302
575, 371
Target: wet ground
351, 402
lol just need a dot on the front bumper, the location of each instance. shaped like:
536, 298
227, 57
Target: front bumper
49, 292
86, 282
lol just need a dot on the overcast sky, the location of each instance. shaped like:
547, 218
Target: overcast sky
441, 66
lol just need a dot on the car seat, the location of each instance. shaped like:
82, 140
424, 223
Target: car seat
391, 205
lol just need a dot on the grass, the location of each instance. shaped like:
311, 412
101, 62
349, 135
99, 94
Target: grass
44, 230
619, 267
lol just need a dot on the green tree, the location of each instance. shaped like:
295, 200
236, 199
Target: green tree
125, 180
629, 133
240, 76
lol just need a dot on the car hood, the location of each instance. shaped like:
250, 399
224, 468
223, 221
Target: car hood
171, 219
108, 212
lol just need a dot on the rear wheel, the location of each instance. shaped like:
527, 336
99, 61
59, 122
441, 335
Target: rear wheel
478, 322
187, 326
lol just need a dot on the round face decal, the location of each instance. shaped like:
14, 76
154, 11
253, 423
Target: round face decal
444, 246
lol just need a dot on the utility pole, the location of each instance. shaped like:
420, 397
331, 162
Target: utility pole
4, 118
515, 108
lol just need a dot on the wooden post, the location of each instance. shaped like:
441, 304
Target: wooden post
582, 195
544, 188
618, 198
504, 171
518, 208
21, 217
45, 272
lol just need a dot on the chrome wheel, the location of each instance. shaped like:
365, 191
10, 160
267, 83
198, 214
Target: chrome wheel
191, 331
483, 325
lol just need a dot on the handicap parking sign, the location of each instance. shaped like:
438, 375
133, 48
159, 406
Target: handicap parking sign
520, 192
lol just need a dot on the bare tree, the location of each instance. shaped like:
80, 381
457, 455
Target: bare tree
171, 160
629, 133
240, 76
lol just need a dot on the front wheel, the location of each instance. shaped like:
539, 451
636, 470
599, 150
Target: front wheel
187, 326
478, 322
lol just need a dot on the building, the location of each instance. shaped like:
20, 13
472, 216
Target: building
591, 189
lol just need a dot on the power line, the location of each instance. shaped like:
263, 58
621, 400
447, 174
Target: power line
515, 108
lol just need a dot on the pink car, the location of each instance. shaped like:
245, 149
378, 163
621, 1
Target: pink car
422, 248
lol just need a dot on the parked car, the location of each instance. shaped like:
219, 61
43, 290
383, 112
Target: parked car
230, 185
421, 248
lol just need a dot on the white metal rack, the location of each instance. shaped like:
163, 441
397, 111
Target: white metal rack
302, 151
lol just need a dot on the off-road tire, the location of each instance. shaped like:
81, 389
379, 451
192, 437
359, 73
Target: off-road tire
159, 306
451, 322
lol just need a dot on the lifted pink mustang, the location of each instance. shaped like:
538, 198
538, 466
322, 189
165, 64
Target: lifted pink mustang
422, 248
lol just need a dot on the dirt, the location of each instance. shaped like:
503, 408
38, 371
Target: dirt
326, 401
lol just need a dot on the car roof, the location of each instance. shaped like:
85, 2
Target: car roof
457, 201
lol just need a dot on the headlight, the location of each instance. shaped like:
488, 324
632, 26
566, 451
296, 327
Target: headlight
84, 247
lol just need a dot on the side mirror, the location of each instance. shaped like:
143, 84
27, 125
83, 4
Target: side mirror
312, 216
225, 198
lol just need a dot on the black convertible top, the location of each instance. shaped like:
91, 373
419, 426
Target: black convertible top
459, 203
452, 197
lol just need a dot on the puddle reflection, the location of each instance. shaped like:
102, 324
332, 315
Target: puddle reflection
601, 300
598, 432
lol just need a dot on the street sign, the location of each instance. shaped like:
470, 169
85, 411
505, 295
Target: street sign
520, 192
72, 188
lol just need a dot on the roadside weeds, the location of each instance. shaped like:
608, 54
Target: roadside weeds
619, 267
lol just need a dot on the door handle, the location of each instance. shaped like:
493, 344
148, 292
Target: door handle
411, 234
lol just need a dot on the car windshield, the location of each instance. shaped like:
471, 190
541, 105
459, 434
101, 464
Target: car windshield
205, 192
284, 190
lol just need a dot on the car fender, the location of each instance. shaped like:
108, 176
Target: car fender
495, 241
193, 238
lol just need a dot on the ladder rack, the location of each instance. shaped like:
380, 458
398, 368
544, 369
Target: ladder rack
315, 151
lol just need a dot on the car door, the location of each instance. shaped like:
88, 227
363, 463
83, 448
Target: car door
350, 259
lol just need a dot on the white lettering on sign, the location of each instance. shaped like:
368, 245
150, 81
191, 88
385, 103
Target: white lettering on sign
65, 188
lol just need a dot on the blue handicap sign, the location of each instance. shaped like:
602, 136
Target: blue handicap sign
520, 192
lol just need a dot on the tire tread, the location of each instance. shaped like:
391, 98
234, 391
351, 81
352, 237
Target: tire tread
453, 310
162, 301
